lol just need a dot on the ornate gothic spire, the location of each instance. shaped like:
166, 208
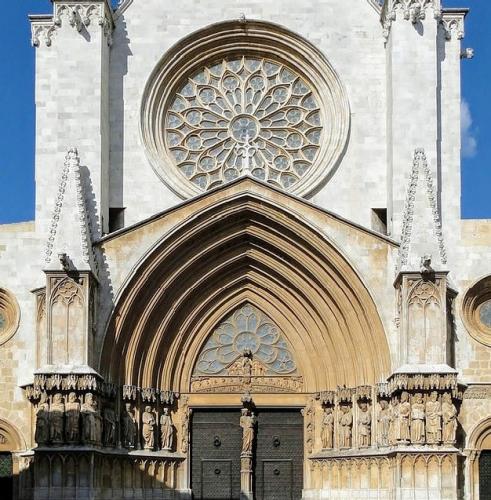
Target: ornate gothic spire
422, 244
69, 244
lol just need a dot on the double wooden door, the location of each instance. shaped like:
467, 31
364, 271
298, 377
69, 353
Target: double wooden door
216, 444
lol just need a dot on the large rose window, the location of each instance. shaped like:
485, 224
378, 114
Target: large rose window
236, 99
244, 115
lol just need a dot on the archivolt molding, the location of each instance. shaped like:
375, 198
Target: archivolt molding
9, 315
10, 438
251, 38
244, 250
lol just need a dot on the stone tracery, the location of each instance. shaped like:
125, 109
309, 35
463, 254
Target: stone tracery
244, 114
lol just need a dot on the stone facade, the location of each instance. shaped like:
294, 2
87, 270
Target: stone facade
333, 222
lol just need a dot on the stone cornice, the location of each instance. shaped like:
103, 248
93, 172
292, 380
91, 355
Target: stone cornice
78, 14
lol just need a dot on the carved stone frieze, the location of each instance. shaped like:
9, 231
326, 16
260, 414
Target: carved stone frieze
42, 32
453, 24
478, 392
410, 10
78, 15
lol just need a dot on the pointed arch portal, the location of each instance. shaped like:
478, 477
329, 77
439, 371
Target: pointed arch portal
245, 250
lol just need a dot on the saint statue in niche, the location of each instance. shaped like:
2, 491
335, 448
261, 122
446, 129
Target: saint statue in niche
345, 426
449, 415
73, 419
433, 419
42, 420
91, 419
148, 435
247, 422
404, 413
327, 429
394, 422
109, 427
384, 420
56, 419
166, 430
364, 426
129, 426
418, 420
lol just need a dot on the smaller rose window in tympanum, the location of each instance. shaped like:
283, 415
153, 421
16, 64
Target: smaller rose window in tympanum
240, 116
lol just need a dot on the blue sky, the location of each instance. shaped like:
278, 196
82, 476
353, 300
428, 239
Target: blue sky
17, 105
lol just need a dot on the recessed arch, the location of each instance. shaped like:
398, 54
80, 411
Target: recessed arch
11, 439
245, 249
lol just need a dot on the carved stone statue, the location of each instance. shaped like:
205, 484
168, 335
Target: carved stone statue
418, 420
345, 426
364, 426
404, 412
327, 431
56, 419
449, 415
129, 426
247, 423
148, 433
433, 419
384, 420
394, 422
42, 420
166, 430
91, 420
72, 419
109, 427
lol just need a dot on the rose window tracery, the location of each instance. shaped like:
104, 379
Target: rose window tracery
245, 115
247, 330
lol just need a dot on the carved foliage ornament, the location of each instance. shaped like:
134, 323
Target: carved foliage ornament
244, 115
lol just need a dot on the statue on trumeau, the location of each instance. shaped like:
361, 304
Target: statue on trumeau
364, 425
327, 430
345, 426
129, 426
449, 416
148, 428
418, 420
433, 419
42, 420
166, 430
72, 409
384, 420
247, 422
56, 419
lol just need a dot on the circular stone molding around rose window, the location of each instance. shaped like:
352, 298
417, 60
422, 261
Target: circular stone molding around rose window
476, 311
9, 315
244, 98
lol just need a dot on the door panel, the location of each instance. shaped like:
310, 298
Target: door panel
279, 455
485, 475
216, 442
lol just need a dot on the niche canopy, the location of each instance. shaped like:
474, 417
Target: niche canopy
253, 98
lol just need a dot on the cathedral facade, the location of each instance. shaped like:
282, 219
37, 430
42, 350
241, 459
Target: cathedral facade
247, 277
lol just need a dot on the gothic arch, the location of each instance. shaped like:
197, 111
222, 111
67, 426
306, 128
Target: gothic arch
10, 437
479, 440
245, 249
